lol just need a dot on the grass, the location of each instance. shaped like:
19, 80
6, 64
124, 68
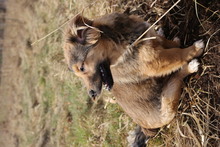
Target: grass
55, 103
55, 108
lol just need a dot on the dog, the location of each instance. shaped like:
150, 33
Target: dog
146, 77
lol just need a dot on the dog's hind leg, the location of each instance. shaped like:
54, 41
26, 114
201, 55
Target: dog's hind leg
172, 90
137, 138
140, 136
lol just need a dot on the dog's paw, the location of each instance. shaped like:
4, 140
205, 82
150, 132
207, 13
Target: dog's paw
193, 66
199, 46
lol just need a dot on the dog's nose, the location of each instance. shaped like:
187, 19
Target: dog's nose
92, 93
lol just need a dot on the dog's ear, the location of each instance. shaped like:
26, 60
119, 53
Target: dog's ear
82, 31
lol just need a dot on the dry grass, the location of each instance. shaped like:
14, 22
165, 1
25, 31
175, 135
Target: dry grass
55, 107
53, 104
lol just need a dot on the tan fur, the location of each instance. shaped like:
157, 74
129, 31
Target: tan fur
144, 85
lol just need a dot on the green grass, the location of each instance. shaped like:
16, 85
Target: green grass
55, 102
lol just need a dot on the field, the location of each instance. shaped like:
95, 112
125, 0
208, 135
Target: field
44, 105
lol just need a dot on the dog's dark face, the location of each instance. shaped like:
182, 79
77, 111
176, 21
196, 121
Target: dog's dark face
89, 56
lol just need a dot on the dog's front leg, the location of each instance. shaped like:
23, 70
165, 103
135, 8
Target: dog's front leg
170, 60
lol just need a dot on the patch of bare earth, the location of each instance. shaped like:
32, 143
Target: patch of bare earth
13, 43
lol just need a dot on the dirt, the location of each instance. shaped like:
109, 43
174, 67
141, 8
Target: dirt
2, 21
11, 44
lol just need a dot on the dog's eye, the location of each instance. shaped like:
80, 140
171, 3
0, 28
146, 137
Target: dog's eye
82, 69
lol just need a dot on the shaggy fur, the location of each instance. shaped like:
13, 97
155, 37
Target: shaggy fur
146, 78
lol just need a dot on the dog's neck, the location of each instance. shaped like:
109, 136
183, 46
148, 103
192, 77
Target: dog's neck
127, 39
123, 35
128, 59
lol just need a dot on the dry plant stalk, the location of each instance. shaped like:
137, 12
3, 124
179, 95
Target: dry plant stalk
67, 21
136, 41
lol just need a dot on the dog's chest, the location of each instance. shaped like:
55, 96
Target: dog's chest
130, 67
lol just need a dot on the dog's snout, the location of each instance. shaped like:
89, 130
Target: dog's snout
92, 93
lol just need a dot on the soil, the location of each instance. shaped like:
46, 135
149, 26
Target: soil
10, 73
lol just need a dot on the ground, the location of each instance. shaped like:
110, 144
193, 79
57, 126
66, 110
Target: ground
44, 105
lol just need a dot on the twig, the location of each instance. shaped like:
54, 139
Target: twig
214, 12
210, 39
51, 32
144, 39
193, 135
135, 42
94, 28
153, 3
61, 25
200, 131
181, 133
197, 15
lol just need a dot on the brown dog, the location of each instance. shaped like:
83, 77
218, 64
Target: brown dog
141, 77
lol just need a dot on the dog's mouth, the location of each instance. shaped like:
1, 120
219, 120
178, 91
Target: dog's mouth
106, 75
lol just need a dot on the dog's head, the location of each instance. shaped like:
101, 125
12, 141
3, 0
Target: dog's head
89, 54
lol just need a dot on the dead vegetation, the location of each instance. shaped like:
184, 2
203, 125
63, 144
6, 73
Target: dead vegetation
197, 122
52, 106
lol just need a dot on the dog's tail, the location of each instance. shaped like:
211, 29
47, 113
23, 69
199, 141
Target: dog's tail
139, 137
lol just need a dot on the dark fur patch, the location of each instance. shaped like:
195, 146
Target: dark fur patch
109, 33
